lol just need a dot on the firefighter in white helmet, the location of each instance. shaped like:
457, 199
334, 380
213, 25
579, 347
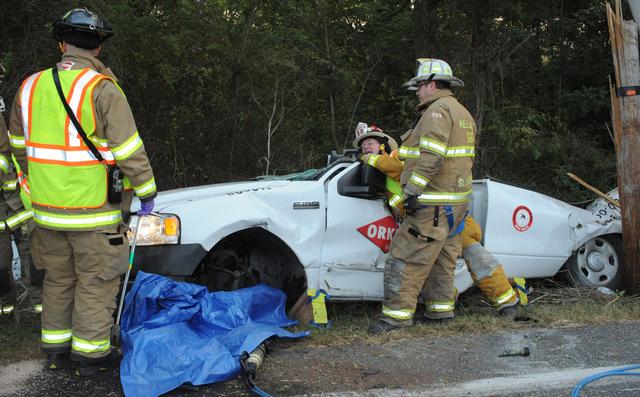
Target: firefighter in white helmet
438, 155
379, 150
487, 273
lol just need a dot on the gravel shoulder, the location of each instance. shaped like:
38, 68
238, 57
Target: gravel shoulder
468, 364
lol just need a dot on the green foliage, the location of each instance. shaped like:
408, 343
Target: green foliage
210, 81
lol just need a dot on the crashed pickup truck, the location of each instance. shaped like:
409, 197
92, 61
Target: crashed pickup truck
330, 229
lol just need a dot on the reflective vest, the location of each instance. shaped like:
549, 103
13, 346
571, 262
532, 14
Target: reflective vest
62, 171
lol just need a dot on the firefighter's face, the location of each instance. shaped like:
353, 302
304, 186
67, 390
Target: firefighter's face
370, 145
425, 90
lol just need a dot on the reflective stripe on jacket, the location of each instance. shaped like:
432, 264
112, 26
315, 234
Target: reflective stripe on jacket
439, 152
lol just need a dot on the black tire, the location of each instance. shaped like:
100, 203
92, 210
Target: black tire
597, 263
252, 257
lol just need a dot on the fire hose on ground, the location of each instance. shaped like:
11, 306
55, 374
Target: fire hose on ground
250, 363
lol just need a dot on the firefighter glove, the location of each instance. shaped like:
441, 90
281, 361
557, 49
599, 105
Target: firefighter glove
411, 204
146, 207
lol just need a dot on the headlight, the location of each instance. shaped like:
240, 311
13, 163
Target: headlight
156, 229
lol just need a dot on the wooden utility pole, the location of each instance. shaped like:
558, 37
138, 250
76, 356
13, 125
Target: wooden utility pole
625, 113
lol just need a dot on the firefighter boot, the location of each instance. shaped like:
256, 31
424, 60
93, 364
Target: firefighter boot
510, 312
56, 361
383, 326
91, 366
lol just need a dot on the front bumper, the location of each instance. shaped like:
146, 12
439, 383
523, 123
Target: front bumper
168, 260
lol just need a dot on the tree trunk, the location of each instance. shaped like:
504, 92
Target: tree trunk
626, 121
425, 22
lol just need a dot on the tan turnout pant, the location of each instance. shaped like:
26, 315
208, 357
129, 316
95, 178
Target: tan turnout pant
422, 255
82, 280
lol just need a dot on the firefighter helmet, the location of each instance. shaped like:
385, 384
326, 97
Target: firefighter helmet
364, 131
82, 28
433, 69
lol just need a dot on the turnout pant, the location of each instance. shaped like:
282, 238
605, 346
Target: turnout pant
486, 271
422, 258
6, 276
81, 282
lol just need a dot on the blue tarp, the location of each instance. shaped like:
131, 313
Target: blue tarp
175, 332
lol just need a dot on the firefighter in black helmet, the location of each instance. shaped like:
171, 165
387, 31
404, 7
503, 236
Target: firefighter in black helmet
80, 236
82, 28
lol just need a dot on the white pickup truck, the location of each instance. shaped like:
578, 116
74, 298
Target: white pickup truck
330, 228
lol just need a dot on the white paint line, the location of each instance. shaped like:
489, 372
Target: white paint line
559, 379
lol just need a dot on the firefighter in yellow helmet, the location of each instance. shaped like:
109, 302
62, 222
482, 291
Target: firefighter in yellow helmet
74, 135
487, 273
438, 155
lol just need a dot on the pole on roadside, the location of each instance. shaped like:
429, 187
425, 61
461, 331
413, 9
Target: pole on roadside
625, 114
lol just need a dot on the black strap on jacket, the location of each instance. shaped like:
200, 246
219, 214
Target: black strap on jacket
74, 120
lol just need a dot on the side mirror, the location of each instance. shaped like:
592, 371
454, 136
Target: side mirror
364, 182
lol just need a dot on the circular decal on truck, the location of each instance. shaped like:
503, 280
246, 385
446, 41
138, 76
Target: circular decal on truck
522, 218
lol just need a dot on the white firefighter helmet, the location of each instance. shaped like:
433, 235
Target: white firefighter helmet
364, 131
433, 69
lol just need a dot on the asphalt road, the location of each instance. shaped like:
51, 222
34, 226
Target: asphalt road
464, 365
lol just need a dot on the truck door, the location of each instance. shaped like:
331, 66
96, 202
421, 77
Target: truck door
359, 228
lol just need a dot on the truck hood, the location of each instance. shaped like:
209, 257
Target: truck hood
171, 197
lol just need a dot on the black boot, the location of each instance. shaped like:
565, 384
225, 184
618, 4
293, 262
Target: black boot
510, 312
91, 366
57, 358
382, 326
426, 320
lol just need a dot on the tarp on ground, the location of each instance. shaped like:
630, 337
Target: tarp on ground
174, 332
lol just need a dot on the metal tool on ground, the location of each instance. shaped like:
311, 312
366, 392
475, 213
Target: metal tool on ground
593, 189
524, 352
250, 363
115, 330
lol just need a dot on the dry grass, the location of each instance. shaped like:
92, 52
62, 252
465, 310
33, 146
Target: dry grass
552, 305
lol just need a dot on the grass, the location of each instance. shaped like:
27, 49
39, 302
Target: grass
551, 307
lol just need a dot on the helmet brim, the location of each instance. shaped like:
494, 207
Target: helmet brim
412, 84
392, 142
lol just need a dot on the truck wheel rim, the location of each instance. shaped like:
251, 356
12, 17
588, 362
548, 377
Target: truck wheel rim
598, 261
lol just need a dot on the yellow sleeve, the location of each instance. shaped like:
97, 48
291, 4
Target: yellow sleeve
390, 165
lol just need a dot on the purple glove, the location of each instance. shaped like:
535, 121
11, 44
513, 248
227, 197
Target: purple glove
146, 207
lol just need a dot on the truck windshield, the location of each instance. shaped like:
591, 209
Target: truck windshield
308, 175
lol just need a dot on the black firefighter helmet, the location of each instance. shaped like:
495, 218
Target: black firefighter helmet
82, 28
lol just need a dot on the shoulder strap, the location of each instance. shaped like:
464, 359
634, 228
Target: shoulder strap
72, 117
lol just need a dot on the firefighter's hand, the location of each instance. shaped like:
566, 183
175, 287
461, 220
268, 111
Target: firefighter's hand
411, 204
